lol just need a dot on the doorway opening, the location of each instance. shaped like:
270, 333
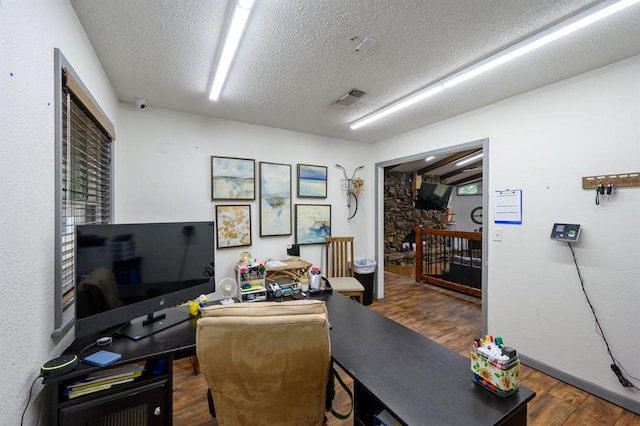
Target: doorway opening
462, 167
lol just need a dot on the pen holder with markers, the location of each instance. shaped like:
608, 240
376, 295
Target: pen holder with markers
495, 367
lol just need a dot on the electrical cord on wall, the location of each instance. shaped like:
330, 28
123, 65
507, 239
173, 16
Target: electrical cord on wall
28, 399
615, 366
188, 231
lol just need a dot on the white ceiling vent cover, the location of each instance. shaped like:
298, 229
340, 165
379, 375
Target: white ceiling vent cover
351, 97
366, 45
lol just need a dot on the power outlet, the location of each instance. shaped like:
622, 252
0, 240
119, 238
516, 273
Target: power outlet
497, 235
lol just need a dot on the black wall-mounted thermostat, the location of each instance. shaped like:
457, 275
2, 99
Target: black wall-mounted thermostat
569, 232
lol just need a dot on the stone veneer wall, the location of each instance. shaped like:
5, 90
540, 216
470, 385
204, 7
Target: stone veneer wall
400, 218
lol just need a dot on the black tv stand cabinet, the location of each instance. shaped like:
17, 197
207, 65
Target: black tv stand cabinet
147, 400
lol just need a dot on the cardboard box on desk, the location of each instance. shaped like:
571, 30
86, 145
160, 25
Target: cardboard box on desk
496, 374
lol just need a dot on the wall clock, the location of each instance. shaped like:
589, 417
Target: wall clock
476, 215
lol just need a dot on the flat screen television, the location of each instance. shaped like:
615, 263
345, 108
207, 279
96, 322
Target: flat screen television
433, 196
128, 276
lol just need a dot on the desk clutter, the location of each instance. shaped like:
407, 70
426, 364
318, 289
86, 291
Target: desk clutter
292, 278
495, 367
102, 380
251, 282
113, 377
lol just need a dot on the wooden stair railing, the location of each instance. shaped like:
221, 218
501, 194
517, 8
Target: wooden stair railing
450, 259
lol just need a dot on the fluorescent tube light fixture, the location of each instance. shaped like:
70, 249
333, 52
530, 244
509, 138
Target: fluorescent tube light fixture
397, 106
543, 38
234, 35
468, 160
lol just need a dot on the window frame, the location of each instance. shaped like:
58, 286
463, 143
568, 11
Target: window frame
477, 184
64, 317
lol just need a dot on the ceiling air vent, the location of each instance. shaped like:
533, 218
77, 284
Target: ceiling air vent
351, 97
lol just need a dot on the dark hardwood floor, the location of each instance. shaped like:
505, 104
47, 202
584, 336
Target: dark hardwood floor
451, 319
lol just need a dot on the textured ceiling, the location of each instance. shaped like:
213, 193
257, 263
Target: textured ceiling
298, 57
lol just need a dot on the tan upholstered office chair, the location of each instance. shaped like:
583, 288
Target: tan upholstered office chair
338, 257
266, 363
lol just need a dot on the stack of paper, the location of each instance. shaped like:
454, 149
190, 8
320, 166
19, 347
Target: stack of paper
103, 379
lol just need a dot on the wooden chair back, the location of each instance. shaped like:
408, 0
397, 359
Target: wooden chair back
338, 256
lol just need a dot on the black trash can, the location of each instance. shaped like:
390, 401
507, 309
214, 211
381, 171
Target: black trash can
364, 271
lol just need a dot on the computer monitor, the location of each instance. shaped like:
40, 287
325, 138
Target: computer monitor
130, 275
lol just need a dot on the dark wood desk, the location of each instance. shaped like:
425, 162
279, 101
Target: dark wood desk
417, 380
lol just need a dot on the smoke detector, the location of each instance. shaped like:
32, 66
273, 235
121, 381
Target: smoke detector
350, 97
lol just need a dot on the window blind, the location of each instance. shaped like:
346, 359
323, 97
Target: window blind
86, 181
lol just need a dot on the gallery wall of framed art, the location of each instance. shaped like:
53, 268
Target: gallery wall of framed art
271, 184
275, 199
233, 178
233, 225
313, 223
312, 181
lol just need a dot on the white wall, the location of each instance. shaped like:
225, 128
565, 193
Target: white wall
163, 173
462, 206
29, 31
543, 142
